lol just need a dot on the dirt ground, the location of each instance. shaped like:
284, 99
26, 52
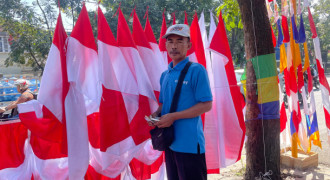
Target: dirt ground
236, 172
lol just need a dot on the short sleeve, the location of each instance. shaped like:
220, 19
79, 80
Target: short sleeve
201, 84
161, 94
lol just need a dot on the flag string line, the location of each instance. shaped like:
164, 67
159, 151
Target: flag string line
266, 175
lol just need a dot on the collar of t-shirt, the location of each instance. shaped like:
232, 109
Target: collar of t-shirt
179, 66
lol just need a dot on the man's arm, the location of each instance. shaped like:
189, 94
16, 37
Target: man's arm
194, 111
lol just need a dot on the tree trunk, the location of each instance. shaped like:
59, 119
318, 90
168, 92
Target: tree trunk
263, 142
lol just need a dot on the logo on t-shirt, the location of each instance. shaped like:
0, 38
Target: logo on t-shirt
184, 82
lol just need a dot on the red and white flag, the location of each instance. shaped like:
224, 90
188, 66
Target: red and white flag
153, 43
14, 163
110, 135
324, 85
83, 98
146, 100
45, 118
224, 135
162, 42
152, 65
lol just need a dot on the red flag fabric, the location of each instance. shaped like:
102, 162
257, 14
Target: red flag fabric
138, 125
162, 42
273, 36
185, 18
46, 118
312, 24
285, 28
226, 105
197, 42
153, 43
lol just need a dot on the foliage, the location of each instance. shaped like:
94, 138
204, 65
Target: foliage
155, 11
31, 35
32, 27
234, 26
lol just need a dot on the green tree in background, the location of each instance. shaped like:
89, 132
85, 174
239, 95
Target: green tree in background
32, 26
233, 22
30, 32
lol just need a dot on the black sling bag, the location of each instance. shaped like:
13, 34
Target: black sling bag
162, 138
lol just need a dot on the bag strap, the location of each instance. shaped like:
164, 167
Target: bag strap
178, 88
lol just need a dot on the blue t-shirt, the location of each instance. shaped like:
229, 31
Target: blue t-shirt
188, 133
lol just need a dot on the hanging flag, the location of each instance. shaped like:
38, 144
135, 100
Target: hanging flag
283, 117
46, 118
308, 95
83, 98
162, 42
152, 65
285, 29
197, 42
302, 35
14, 163
138, 125
298, 132
310, 109
112, 147
153, 43
227, 108
282, 47
185, 18
273, 36
294, 29
324, 85
206, 45
312, 24
174, 20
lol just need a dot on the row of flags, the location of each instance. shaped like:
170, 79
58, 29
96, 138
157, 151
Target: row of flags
291, 66
88, 121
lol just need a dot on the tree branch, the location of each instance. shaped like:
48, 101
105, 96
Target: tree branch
45, 17
35, 59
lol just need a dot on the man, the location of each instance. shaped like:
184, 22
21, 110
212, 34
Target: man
23, 88
185, 158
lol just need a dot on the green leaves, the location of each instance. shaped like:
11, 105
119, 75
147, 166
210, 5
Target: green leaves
230, 14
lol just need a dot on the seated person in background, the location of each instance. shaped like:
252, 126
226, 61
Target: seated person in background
26, 95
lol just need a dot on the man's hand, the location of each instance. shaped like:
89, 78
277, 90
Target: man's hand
150, 123
2, 109
166, 120
155, 114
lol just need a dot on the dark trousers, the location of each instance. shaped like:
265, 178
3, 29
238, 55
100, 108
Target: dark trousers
185, 166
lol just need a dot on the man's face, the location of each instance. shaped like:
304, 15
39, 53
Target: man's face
177, 47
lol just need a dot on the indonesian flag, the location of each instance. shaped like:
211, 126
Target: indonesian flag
196, 52
152, 65
162, 42
153, 43
197, 43
224, 134
154, 70
46, 118
83, 98
145, 102
110, 135
324, 85
14, 164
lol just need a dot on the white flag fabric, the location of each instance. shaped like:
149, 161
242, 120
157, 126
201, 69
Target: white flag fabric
83, 98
